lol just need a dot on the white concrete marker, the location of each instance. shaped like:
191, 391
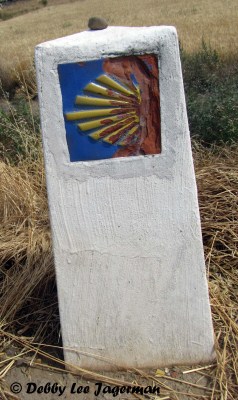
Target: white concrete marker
126, 231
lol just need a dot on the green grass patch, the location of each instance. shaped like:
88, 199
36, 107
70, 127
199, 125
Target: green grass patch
211, 88
11, 9
19, 132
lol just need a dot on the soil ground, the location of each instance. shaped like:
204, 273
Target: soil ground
35, 378
24, 375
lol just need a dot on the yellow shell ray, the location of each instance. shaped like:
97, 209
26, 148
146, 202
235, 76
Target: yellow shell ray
130, 134
106, 80
75, 115
105, 92
103, 132
97, 123
98, 101
122, 130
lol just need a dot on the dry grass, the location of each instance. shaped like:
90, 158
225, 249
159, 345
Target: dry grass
217, 178
25, 255
28, 294
195, 20
13, 9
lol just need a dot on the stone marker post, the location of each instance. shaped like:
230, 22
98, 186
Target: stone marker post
123, 201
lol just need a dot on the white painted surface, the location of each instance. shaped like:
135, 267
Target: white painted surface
126, 231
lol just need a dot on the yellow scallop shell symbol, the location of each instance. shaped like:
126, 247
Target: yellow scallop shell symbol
110, 111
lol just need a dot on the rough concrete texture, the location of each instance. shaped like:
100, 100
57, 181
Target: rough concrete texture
127, 240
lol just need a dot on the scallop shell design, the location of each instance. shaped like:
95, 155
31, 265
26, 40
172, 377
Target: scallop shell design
109, 111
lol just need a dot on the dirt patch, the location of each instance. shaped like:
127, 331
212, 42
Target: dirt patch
38, 383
